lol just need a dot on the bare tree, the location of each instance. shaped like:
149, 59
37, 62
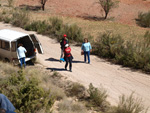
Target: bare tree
107, 6
43, 2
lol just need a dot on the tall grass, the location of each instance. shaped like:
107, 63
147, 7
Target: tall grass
129, 104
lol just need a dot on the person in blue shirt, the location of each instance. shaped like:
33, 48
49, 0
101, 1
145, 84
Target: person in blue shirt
5, 105
21, 54
85, 49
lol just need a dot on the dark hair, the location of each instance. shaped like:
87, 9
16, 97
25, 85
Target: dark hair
86, 39
20, 44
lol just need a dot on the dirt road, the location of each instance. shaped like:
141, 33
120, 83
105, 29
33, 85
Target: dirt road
115, 79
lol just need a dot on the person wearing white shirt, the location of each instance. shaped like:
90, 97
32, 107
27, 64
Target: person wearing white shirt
21, 54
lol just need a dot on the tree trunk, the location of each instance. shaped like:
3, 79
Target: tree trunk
106, 14
43, 7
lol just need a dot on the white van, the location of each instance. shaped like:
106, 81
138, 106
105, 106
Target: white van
9, 41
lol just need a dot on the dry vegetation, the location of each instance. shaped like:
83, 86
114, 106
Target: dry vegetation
68, 97
54, 80
59, 87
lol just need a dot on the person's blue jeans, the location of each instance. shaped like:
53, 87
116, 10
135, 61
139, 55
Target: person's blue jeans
22, 61
6, 104
87, 54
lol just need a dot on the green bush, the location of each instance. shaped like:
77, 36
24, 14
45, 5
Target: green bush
56, 25
129, 105
20, 18
26, 94
68, 106
147, 39
7, 19
33, 26
131, 54
5, 16
98, 96
108, 45
10, 3
41, 27
143, 19
74, 33
77, 90
126, 55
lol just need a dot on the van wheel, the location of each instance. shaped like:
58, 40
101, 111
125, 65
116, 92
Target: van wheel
6, 60
34, 60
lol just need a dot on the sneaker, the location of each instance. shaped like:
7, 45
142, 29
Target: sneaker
70, 70
65, 68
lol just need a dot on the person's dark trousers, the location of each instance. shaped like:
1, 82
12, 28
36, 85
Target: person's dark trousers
22, 61
68, 59
87, 53
6, 104
62, 51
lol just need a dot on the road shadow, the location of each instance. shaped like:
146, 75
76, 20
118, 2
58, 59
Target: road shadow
75, 61
57, 60
30, 63
56, 69
29, 7
92, 18
52, 59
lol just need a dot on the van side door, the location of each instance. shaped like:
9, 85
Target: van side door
37, 44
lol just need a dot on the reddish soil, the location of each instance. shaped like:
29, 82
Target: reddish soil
125, 13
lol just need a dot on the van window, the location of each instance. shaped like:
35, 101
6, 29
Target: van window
0, 44
5, 45
13, 46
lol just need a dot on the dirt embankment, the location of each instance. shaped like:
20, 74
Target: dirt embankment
126, 12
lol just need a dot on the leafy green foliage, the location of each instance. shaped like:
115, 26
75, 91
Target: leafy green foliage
107, 6
26, 94
143, 19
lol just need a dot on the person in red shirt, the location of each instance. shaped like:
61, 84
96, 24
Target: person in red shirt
68, 57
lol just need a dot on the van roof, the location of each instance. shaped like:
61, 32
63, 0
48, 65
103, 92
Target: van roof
10, 35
